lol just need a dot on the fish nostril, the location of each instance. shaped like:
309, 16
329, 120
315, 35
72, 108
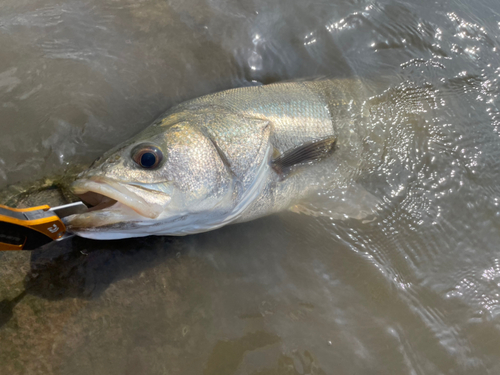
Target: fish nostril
100, 162
113, 159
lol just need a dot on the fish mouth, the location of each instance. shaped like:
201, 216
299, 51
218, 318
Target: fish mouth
105, 194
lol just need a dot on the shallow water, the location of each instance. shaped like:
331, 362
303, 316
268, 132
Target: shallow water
416, 291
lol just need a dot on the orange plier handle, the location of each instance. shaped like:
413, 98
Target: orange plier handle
30, 228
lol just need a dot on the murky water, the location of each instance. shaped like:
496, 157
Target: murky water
417, 291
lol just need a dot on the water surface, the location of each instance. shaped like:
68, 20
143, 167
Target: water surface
416, 291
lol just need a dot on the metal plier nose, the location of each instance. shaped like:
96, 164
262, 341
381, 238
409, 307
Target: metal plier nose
30, 228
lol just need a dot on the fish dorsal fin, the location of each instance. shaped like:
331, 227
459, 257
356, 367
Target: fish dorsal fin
307, 152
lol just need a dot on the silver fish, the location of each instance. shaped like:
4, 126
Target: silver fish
234, 156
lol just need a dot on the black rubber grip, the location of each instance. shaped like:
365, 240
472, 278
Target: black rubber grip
13, 234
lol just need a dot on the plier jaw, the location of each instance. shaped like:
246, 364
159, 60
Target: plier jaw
30, 228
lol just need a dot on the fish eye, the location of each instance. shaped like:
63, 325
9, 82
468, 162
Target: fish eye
147, 156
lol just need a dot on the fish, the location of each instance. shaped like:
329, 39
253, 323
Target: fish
235, 156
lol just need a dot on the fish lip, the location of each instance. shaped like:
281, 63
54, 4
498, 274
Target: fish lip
117, 191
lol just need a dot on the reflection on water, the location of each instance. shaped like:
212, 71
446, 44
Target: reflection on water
416, 291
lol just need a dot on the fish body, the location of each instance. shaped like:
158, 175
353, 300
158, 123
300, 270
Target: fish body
228, 157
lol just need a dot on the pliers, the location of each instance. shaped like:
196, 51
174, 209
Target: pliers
30, 228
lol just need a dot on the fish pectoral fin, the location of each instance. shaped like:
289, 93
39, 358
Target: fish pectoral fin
310, 151
354, 202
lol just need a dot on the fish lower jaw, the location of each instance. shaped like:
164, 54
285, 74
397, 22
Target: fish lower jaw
113, 224
116, 214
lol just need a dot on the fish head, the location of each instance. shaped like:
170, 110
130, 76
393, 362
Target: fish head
161, 181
